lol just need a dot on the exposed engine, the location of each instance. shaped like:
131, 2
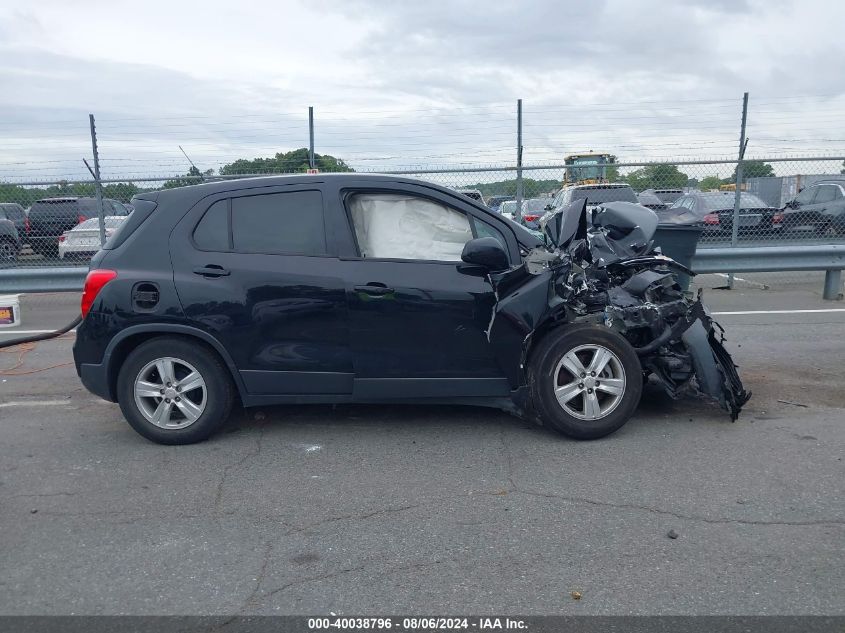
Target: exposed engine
607, 271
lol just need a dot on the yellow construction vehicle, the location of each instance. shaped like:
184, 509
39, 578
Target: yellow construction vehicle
586, 169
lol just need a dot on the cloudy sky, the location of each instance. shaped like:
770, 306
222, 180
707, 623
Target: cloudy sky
413, 83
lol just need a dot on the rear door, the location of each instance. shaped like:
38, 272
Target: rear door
418, 316
256, 269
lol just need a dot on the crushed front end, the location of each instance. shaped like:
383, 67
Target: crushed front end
607, 272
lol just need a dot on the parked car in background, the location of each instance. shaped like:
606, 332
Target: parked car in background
508, 209
494, 202
10, 241
475, 194
83, 240
819, 208
532, 210
714, 210
50, 217
651, 201
666, 196
15, 213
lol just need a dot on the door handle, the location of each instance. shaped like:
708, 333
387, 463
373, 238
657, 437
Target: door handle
211, 270
372, 289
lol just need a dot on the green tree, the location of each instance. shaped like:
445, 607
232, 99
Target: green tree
293, 161
657, 177
193, 177
531, 188
752, 169
709, 182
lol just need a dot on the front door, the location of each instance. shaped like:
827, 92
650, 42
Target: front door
418, 316
254, 269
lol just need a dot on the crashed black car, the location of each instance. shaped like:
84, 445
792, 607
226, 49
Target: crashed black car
356, 288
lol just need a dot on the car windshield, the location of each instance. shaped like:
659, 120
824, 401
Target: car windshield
719, 201
598, 195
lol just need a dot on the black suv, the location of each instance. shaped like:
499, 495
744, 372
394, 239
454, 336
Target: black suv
819, 208
366, 288
50, 217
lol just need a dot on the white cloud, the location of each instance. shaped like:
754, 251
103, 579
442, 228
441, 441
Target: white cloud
413, 83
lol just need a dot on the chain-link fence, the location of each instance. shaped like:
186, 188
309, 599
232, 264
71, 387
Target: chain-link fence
798, 201
57, 206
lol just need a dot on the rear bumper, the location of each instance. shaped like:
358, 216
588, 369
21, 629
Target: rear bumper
96, 380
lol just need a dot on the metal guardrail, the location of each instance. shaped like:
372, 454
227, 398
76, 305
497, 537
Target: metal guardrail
764, 259
754, 259
53, 279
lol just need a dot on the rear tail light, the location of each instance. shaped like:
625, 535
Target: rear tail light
94, 282
26, 224
62, 237
81, 219
711, 219
531, 218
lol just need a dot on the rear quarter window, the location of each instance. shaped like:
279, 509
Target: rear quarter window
212, 231
143, 210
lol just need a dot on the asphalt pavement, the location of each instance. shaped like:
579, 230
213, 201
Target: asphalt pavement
430, 509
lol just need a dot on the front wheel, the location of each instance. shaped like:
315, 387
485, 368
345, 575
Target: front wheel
173, 391
586, 381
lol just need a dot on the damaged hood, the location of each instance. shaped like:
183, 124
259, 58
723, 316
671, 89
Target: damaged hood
601, 267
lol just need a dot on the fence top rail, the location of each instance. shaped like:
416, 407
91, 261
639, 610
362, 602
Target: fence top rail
417, 171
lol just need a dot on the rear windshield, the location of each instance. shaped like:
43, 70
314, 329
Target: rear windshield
720, 201
668, 195
111, 222
535, 204
598, 195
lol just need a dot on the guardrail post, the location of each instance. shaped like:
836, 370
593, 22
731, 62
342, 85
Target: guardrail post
832, 285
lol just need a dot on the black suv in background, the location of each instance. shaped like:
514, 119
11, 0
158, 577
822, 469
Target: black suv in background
50, 217
819, 208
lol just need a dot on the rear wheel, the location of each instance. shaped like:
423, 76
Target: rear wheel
586, 381
173, 391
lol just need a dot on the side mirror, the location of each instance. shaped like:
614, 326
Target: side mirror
486, 252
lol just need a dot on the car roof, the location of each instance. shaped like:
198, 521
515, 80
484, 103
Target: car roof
211, 187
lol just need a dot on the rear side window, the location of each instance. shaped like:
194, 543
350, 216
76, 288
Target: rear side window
212, 232
282, 223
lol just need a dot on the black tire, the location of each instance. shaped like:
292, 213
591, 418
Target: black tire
220, 392
551, 350
8, 251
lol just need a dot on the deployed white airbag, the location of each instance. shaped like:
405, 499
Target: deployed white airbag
406, 227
